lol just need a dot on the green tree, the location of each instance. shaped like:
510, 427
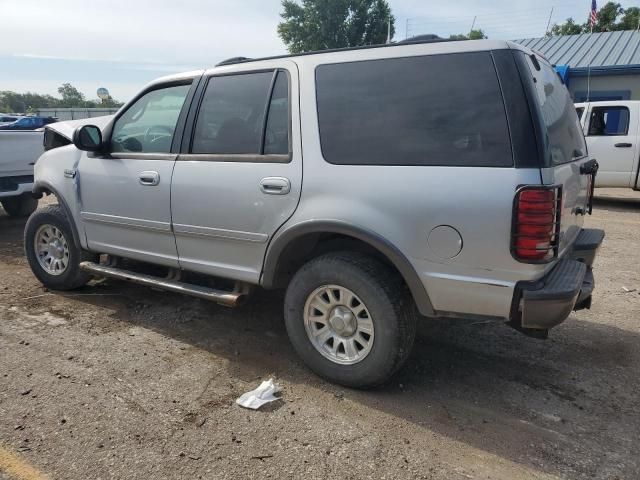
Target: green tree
611, 17
71, 96
570, 27
473, 35
630, 19
323, 24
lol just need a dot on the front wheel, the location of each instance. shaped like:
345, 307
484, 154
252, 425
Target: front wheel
350, 318
51, 251
20, 206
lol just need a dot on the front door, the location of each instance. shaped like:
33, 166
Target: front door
125, 193
239, 179
612, 139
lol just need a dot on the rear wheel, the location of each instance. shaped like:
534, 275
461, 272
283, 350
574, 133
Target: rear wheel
20, 206
350, 318
51, 251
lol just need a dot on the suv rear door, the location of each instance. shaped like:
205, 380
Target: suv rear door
611, 129
239, 176
563, 144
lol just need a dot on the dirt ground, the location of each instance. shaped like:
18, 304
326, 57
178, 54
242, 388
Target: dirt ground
120, 381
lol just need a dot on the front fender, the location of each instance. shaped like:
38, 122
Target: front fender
56, 173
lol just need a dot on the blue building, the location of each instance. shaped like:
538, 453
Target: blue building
612, 59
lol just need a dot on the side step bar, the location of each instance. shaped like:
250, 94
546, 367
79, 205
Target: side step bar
228, 299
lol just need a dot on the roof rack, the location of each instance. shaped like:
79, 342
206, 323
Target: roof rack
420, 39
232, 60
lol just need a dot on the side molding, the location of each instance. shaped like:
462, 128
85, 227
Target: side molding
390, 251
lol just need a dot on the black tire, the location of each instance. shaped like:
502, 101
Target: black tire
72, 277
20, 206
386, 297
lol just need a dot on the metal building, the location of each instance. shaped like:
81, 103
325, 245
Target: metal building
610, 59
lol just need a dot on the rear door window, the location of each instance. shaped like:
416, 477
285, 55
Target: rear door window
609, 121
231, 119
429, 110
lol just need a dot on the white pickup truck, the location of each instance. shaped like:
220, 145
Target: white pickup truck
19, 151
612, 130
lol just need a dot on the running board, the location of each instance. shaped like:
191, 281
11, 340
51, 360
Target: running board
228, 299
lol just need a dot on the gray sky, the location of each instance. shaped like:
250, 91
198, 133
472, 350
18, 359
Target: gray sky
122, 44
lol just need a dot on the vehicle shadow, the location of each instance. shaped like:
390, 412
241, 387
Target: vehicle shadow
564, 406
616, 204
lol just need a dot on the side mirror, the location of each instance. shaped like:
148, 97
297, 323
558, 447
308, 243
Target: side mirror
88, 138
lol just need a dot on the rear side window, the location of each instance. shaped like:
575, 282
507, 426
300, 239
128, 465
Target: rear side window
609, 121
579, 112
564, 138
430, 110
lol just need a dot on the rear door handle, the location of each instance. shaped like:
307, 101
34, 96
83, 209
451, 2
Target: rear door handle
275, 185
623, 145
149, 178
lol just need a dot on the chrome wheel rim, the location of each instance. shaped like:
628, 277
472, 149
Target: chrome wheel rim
338, 324
52, 249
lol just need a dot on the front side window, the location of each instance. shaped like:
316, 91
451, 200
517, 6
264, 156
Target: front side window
149, 124
428, 110
609, 121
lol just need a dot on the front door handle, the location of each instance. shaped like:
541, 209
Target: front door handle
149, 178
275, 185
623, 145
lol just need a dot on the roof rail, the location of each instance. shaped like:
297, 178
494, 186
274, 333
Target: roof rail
232, 60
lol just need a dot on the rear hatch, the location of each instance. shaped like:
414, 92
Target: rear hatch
564, 150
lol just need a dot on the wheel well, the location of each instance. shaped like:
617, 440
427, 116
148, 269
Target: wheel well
311, 245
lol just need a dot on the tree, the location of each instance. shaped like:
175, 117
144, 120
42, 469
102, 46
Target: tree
71, 96
570, 27
607, 21
29, 102
324, 24
473, 35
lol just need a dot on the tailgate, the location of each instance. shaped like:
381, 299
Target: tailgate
575, 180
19, 151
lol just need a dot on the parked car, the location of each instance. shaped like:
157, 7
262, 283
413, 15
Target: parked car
612, 130
7, 119
18, 154
29, 123
449, 179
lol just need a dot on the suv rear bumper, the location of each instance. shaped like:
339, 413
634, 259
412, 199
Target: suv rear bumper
547, 302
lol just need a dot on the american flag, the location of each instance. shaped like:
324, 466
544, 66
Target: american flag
594, 13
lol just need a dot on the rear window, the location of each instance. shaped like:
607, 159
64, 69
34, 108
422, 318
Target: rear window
431, 110
564, 138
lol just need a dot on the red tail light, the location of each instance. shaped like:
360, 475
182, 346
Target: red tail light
536, 223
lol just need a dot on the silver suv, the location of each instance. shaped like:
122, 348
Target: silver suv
448, 179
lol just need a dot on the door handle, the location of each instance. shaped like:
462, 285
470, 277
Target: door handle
149, 178
623, 145
275, 185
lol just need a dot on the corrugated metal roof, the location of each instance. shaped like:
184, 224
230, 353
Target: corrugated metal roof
604, 49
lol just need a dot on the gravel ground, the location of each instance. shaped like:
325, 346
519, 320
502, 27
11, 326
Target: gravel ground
120, 381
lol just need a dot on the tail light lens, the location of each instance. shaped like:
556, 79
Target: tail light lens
536, 224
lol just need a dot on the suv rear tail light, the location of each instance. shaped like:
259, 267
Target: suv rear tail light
536, 224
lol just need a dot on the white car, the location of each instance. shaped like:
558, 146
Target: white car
612, 129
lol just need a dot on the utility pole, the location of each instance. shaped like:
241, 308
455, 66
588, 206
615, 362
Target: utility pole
406, 29
546, 32
473, 24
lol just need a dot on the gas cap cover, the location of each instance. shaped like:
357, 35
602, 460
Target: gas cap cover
445, 241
